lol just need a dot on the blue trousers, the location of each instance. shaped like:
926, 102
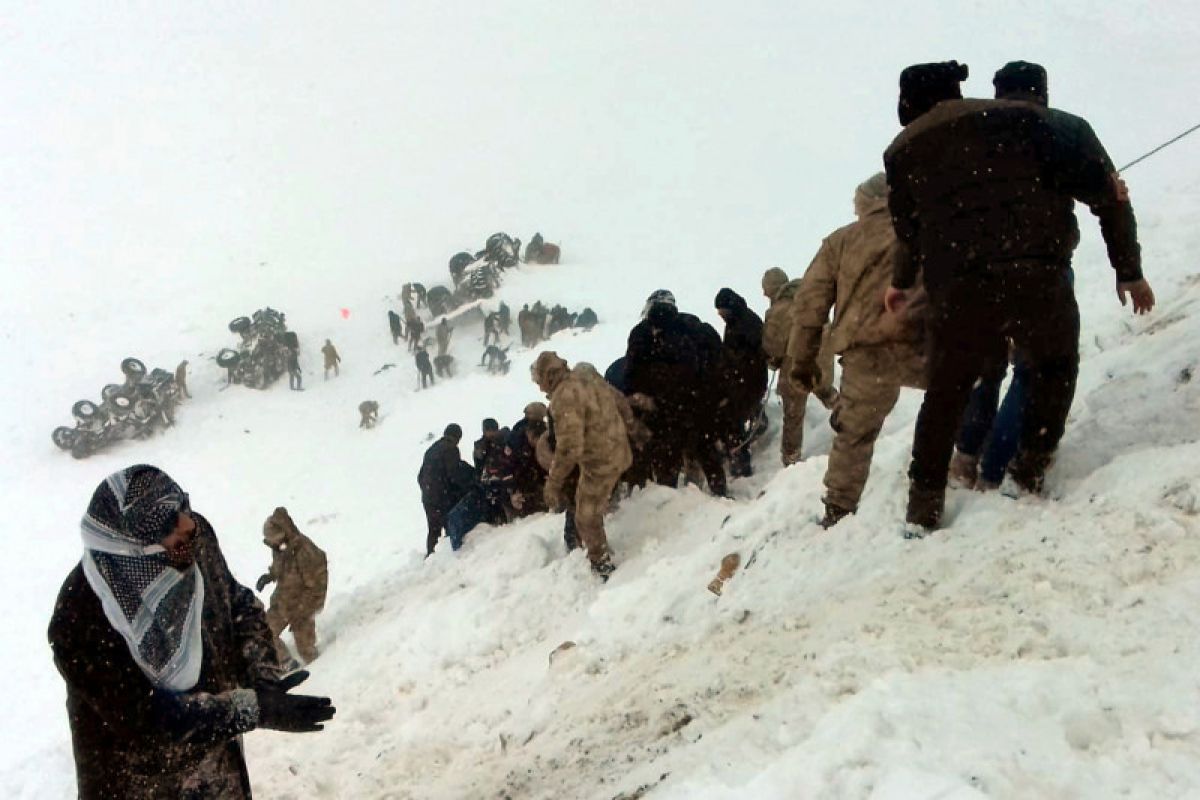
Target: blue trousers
991, 428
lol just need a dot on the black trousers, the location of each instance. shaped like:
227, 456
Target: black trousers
670, 445
435, 516
1032, 302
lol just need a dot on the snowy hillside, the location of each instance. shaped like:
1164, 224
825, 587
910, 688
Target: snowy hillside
170, 172
1040, 648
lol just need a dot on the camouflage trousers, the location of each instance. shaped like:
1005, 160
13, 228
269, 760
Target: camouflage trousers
871, 381
795, 402
304, 629
592, 498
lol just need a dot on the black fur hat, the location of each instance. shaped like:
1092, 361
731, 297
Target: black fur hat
922, 86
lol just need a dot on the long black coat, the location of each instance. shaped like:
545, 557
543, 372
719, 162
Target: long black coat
745, 362
134, 741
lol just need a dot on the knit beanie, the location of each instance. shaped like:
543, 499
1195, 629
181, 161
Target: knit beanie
922, 86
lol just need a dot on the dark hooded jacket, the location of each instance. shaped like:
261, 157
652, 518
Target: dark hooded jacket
745, 361
132, 740
442, 477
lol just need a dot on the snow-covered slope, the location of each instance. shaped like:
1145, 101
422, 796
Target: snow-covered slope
1035, 648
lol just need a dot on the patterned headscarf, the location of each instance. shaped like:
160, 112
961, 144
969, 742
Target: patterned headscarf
154, 606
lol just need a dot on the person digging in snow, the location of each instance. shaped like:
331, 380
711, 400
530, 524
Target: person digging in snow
589, 433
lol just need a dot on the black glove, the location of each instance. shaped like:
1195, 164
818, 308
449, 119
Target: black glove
262, 582
296, 713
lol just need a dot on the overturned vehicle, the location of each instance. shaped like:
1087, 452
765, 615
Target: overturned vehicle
131, 410
262, 355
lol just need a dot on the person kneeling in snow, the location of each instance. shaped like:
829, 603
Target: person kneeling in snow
588, 427
167, 658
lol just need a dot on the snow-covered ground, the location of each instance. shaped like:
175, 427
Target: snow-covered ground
1034, 648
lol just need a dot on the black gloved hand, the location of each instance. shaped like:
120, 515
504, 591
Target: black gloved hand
262, 582
296, 713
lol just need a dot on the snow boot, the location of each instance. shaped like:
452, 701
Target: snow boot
833, 515
604, 568
964, 470
925, 508
1028, 471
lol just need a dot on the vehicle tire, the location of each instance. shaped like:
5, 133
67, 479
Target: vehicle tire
85, 409
239, 324
133, 368
82, 447
440, 300
121, 404
112, 390
64, 437
228, 357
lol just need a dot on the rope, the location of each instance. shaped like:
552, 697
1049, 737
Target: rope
1192, 129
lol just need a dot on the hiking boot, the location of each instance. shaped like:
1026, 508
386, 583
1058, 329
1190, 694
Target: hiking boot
964, 470
925, 507
833, 515
1028, 471
604, 569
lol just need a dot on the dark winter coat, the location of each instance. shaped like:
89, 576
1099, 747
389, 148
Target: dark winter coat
662, 362
441, 477
394, 324
134, 741
976, 184
520, 465
489, 454
745, 361
669, 359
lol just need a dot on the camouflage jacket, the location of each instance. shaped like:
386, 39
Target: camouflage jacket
589, 426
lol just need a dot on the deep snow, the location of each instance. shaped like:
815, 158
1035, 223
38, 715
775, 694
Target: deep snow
1035, 648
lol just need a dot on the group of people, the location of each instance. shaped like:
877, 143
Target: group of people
330, 359
958, 262
539, 322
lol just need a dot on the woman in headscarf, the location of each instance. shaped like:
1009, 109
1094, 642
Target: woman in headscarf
167, 658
